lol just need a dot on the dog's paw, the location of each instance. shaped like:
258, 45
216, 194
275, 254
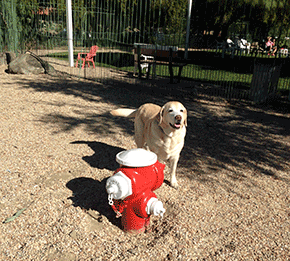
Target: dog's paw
174, 184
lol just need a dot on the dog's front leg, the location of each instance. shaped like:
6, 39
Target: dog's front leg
173, 165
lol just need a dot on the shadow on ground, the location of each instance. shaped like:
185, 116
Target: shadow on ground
91, 194
240, 137
104, 156
219, 134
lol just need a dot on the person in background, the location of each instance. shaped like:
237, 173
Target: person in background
269, 45
274, 47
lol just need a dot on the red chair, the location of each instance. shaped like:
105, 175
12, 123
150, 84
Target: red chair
89, 57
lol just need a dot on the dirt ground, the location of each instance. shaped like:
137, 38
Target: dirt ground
58, 147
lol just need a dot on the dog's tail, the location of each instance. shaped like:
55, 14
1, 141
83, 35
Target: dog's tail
129, 113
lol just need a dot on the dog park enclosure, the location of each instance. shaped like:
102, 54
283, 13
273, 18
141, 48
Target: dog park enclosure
117, 26
59, 142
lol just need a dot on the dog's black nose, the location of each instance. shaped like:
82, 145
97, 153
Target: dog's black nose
178, 117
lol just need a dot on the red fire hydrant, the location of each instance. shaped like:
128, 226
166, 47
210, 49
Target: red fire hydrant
131, 189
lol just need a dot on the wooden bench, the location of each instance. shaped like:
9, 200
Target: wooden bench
149, 55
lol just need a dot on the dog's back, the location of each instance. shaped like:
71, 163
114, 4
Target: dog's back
147, 112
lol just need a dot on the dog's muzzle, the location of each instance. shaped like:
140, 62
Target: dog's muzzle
177, 123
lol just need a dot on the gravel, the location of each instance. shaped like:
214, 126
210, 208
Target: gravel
58, 147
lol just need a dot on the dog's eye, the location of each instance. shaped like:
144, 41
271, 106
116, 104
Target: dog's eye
181, 110
170, 110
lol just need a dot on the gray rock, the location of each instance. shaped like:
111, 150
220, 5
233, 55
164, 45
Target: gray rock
30, 63
25, 64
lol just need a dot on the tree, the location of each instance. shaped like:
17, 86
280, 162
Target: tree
26, 11
219, 15
9, 23
147, 17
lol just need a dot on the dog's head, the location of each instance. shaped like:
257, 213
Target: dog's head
173, 114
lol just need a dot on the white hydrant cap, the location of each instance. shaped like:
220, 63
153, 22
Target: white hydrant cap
136, 158
155, 207
119, 186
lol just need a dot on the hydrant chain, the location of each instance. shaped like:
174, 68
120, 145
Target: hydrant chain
110, 199
118, 214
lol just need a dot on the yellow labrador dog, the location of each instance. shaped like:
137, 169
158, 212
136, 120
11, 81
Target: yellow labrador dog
162, 130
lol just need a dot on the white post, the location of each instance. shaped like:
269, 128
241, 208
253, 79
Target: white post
69, 33
188, 28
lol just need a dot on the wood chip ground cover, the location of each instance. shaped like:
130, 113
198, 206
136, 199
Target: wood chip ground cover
58, 147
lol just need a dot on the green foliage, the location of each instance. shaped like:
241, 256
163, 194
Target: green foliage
26, 13
176, 15
260, 15
9, 23
127, 21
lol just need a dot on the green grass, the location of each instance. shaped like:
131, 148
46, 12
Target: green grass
196, 72
208, 70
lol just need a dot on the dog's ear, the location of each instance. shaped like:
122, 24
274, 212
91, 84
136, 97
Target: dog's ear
160, 115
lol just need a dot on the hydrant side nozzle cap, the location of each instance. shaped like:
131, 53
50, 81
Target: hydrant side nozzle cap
119, 185
112, 189
158, 209
136, 158
155, 207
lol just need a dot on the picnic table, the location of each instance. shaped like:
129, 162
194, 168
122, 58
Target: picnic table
149, 55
